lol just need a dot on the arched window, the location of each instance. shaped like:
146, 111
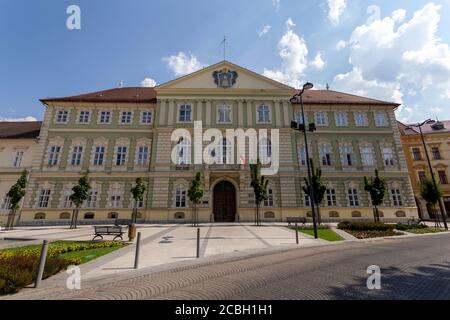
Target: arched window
39, 216
334, 214
356, 214
183, 151
113, 215
89, 216
179, 215
269, 215
180, 197
64, 216
265, 150
400, 214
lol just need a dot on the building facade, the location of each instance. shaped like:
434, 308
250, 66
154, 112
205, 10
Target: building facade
437, 140
121, 134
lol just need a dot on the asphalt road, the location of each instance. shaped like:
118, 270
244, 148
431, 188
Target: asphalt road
411, 268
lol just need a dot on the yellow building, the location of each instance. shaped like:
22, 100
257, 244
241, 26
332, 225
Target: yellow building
437, 139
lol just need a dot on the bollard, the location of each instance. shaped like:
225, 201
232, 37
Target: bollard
138, 246
40, 270
296, 233
198, 242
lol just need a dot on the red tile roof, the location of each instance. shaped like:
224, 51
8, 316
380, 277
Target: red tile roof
20, 130
130, 94
335, 97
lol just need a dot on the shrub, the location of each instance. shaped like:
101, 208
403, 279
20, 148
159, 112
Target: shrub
374, 234
402, 226
365, 226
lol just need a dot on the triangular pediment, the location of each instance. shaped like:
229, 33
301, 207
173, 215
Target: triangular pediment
205, 79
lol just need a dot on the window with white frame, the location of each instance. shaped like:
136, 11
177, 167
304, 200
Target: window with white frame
185, 113
320, 118
367, 156
115, 199
360, 119
263, 113
380, 119
347, 156
44, 198
353, 197
331, 197
99, 155
92, 199
265, 150
121, 156
180, 197
77, 154
326, 154
388, 156
62, 116
18, 157
396, 197
146, 117
299, 117
224, 114
183, 149
269, 202
138, 204
67, 203
307, 200
143, 155
84, 116
126, 117
6, 204
341, 118
105, 117
53, 155
301, 150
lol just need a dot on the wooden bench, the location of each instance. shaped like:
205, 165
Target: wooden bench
294, 220
101, 231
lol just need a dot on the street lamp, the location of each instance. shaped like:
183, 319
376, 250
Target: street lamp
311, 128
430, 167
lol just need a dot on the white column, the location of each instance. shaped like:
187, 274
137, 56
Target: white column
240, 113
199, 110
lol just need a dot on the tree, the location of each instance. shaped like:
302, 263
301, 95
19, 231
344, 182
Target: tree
137, 192
78, 197
319, 188
376, 187
16, 194
259, 184
432, 194
195, 194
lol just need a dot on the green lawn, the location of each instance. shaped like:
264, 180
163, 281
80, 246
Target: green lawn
325, 234
86, 255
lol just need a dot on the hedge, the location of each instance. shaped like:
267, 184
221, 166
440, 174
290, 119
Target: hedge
365, 226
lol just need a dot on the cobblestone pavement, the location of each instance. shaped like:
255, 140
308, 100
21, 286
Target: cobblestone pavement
411, 268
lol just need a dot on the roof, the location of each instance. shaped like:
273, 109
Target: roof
335, 97
129, 94
426, 128
20, 130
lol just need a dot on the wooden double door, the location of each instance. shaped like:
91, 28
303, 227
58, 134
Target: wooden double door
224, 202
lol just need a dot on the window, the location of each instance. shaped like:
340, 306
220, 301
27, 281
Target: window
185, 113
146, 117
18, 159
44, 198
113, 215
269, 201
341, 119
360, 119
302, 155
105, 117
183, 150
91, 201
299, 118
353, 198
307, 200
422, 175
138, 204
62, 116
326, 155
347, 156
142, 159
442, 177
6, 203
77, 154
53, 156
121, 157
417, 155
380, 119
263, 114
331, 198
99, 155
89, 216
224, 114
126, 116
39, 216
265, 151
436, 153
224, 155
67, 203
321, 118
64, 216
84, 117
180, 197
115, 200
396, 197
388, 156
367, 156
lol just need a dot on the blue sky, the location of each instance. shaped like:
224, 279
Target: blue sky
393, 51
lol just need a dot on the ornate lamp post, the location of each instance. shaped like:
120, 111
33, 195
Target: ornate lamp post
311, 128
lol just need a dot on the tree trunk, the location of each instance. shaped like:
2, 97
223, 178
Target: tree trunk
319, 218
10, 222
73, 223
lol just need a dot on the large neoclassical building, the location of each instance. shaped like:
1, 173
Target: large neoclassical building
120, 134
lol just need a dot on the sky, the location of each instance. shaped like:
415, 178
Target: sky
390, 50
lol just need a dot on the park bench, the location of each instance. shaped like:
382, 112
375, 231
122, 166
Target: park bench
101, 231
291, 220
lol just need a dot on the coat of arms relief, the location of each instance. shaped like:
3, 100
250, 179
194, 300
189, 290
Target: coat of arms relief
225, 78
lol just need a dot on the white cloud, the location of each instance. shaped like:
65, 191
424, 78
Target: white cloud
148, 82
182, 64
341, 45
318, 62
276, 4
24, 119
264, 30
290, 24
336, 9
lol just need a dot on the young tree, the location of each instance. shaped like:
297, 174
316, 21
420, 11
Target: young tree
195, 194
137, 192
377, 189
16, 194
259, 184
319, 189
432, 194
79, 195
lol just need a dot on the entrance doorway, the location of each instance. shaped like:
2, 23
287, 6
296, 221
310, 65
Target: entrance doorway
224, 202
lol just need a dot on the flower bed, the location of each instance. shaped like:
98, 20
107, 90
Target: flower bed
367, 230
